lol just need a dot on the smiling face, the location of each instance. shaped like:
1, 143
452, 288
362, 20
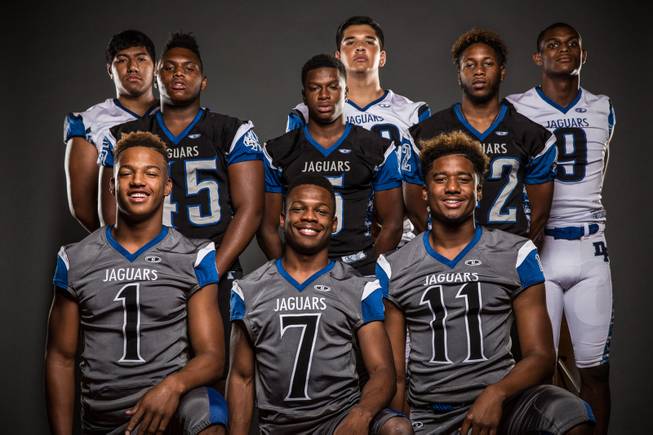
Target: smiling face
360, 50
561, 52
452, 189
140, 183
180, 77
324, 94
479, 72
132, 71
309, 219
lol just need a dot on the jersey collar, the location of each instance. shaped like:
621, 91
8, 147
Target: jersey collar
326, 151
176, 139
128, 255
563, 109
444, 260
309, 280
503, 109
134, 114
363, 109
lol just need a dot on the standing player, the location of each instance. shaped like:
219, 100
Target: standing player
522, 153
574, 255
294, 340
455, 289
360, 45
130, 65
142, 295
215, 163
361, 165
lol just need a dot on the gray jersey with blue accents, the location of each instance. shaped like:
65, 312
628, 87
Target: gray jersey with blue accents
133, 313
302, 337
458, 312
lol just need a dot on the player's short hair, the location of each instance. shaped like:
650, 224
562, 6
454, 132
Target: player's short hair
454, 142
140, 139
323, 61
187, 41
483, 36
540, 37
127, 39
313, 180
359, 20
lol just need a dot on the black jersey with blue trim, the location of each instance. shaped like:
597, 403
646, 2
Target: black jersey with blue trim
133, 313
302, 335
199, 157
458, 311
357, 165
521, 152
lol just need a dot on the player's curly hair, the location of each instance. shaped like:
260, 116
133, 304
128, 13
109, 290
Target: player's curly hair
140, 139
187, 41
323, 61
454, 142
474, 36
128, 39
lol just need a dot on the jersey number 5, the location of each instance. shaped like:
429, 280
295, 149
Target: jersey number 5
301, 371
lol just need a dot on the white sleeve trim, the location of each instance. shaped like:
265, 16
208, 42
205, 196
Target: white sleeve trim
385, 266
370, 288
64, 257
242, 130
526, 249
210, 247
236, 289
547, 146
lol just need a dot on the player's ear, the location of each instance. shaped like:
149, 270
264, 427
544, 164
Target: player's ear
479, 190
282, 219
112, 185
425, 193
382, 58
205, 83
537, 58
583, 56
503, 72
337, 54
168, 187
334, 224
109, 71
303, 95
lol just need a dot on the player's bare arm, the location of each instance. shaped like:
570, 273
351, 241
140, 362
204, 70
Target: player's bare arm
106, 202
268, 234
415, 206
246, 189
380, 388
540, 197
390, 213
240, 383
61, 347
155, 409
82, 182
395, 327
536, 366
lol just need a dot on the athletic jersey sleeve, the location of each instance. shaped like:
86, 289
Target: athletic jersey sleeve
528, 267
297, 117
61, 275
73, 126
272, 174
237, 303
388, 175
423, 113
612, 121
245, 145
372, 302
541, 167
411, 172
205, 268
105, 156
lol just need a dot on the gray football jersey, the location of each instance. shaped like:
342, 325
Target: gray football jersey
302, 337
458, 312
133, 313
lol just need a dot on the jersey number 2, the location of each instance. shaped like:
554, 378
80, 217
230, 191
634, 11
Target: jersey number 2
301, 370
129, 295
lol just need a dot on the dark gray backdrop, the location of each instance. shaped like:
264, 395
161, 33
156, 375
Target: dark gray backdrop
52, 63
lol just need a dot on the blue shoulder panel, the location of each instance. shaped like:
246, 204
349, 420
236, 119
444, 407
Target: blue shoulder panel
530, 270
237, 304
206, 270
424, 112
542, 169
60, 278
73, 126
372, 302
105, 157
246, 148
388, 176
295, 121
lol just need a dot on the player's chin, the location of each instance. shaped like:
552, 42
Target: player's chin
308, 245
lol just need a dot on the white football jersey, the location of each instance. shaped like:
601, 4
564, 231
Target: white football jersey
94, 123
583, 131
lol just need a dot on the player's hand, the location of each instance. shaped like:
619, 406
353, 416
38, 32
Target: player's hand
485, 414
357, 422
155, 409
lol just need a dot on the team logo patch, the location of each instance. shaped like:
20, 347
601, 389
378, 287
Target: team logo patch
322, 288
384, 105
417, 424
581, 109
251, 140
473, 262
501, 133
344, 150
194, 135
153, 259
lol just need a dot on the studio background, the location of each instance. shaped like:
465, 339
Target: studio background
53, 63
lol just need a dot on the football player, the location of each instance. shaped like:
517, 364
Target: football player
130, 64
292, 343
456, 288
360, 45
519, 182
215, 163
361, 165
142, 296
574, 254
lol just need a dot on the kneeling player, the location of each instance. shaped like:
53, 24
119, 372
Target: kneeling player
456, 288
142, 295
294, 322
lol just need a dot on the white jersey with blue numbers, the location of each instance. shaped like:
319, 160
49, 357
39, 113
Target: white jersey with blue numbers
583, 131
94, 123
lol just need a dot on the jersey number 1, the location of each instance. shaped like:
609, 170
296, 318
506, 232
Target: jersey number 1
129, 295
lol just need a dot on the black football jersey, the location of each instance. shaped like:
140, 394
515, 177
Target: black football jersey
357, 165
200, 204
521, 152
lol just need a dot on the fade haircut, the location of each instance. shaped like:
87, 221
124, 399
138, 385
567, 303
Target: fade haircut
356, 21
187, 41
454, 142
127, 39
312, 180
475, 36
140, 139
540, 37
323, 61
